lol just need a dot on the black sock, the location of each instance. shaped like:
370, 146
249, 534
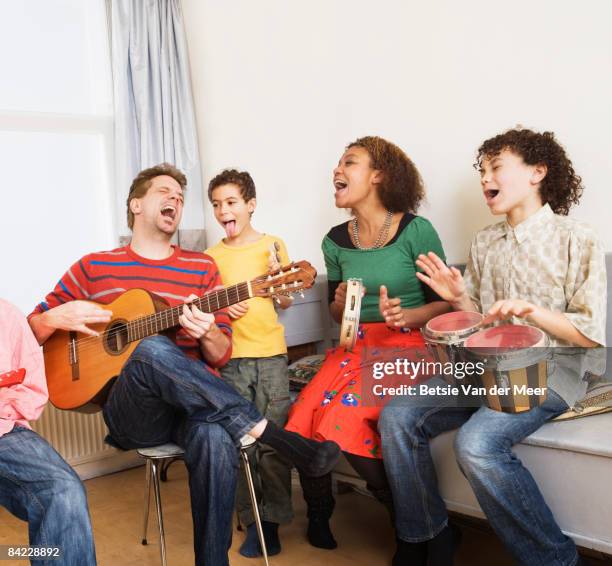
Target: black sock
311, 457
251, 547
410, 553
270, 531
441, 548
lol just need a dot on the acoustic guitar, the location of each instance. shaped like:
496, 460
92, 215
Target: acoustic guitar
81, 369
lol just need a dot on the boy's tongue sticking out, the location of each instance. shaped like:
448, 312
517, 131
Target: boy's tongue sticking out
230, 228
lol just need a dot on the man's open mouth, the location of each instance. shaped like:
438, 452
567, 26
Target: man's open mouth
169, 211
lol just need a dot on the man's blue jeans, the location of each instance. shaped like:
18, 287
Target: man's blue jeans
164, 396
38, 486
504, 488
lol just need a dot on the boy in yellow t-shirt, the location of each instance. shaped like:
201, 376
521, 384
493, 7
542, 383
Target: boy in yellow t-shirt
258, 367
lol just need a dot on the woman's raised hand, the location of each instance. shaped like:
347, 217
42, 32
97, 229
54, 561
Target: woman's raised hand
446, 281
390, 309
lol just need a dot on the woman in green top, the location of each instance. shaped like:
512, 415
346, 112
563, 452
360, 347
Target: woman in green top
381, 186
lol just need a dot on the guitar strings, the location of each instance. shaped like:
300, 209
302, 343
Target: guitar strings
148, 322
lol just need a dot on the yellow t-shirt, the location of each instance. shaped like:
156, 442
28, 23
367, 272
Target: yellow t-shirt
258, 334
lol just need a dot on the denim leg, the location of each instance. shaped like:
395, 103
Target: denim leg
406, 425
506, 490
38, 486
265, 382
212, 461
159, 384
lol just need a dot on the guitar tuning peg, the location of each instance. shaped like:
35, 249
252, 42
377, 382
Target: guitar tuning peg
278, 301
301, 294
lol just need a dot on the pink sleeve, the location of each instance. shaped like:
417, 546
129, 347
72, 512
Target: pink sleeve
25, 401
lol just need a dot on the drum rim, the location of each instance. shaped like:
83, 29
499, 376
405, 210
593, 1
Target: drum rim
451, 336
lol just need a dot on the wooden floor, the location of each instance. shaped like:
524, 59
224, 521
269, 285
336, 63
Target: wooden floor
360, 525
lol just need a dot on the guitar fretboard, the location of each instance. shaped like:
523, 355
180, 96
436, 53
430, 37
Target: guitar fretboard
144, 326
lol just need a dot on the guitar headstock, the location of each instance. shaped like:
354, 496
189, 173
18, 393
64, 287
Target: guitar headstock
286, 280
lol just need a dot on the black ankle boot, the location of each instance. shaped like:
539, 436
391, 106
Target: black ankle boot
410, 553
441, 548
320, 501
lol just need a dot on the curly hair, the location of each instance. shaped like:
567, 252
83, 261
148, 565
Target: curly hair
561, 188
234, 177
401, 189
142, 183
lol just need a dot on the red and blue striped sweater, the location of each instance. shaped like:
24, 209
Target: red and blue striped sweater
103, 276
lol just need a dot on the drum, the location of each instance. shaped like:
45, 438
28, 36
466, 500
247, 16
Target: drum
350, 317
445, 334
514, 360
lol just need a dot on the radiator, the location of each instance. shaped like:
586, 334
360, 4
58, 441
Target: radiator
79, 438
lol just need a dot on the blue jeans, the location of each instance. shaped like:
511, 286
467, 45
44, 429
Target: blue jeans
504, 488
38, 486
164, 396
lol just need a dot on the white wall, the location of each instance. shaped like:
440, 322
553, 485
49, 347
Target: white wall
281, 87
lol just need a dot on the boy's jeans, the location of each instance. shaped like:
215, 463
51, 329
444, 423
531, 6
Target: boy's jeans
504, 488
164, 396
264, 381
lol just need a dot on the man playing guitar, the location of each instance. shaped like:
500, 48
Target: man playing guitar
169, 389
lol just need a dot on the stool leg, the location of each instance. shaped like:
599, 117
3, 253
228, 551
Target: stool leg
160, 520
147, 500
247, 470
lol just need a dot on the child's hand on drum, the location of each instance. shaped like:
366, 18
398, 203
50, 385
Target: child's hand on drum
390, 309
238, 310
445, 281
503, 310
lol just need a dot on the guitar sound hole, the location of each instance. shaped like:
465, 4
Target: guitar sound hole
116, 338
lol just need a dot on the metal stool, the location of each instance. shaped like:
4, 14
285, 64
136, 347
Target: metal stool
245, 443
158, 458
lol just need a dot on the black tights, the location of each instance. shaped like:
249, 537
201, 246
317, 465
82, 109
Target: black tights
372, 470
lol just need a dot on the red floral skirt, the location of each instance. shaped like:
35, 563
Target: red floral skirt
335, 405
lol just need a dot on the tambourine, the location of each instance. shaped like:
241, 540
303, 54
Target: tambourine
350, 316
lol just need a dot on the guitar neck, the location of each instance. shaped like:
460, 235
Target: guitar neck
144, 326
